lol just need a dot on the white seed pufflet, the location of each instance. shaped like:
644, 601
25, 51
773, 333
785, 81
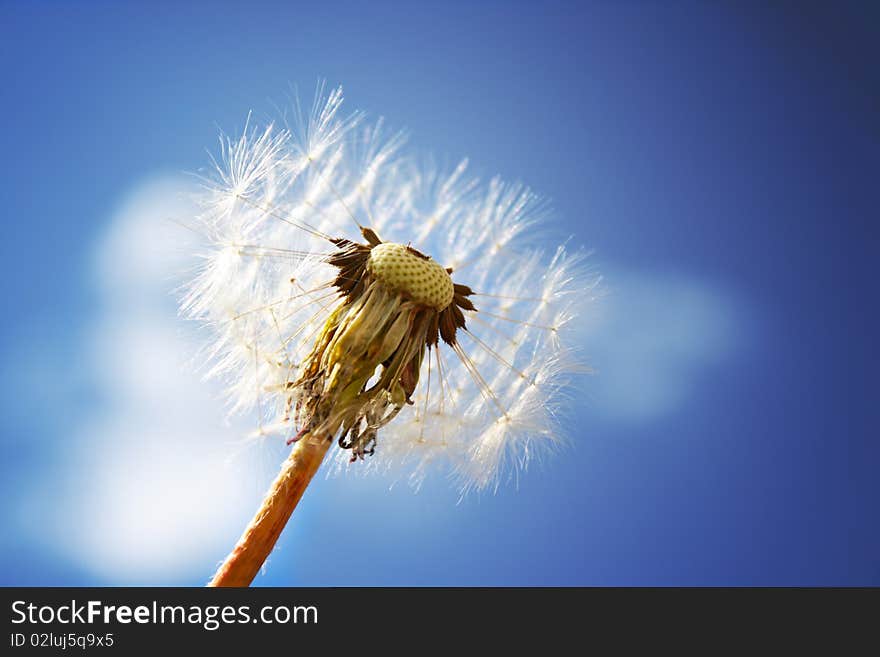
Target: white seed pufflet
404, 269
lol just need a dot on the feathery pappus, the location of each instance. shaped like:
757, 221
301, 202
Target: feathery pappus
398, 310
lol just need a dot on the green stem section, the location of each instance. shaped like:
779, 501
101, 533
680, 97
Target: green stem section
258, 539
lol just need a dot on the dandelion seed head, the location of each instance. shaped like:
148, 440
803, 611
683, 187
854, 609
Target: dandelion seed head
397, 308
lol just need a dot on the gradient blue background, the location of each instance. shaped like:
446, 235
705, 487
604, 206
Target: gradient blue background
733, 144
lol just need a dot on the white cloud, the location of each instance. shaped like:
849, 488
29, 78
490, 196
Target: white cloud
148, 493
652, 339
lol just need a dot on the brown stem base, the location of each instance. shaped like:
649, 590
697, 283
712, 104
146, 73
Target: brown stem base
254, 546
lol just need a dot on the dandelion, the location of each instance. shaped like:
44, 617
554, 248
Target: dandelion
363, 300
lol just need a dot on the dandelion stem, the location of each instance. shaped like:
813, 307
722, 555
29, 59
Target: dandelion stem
257, 541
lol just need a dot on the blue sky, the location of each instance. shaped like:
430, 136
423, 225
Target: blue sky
721, 161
